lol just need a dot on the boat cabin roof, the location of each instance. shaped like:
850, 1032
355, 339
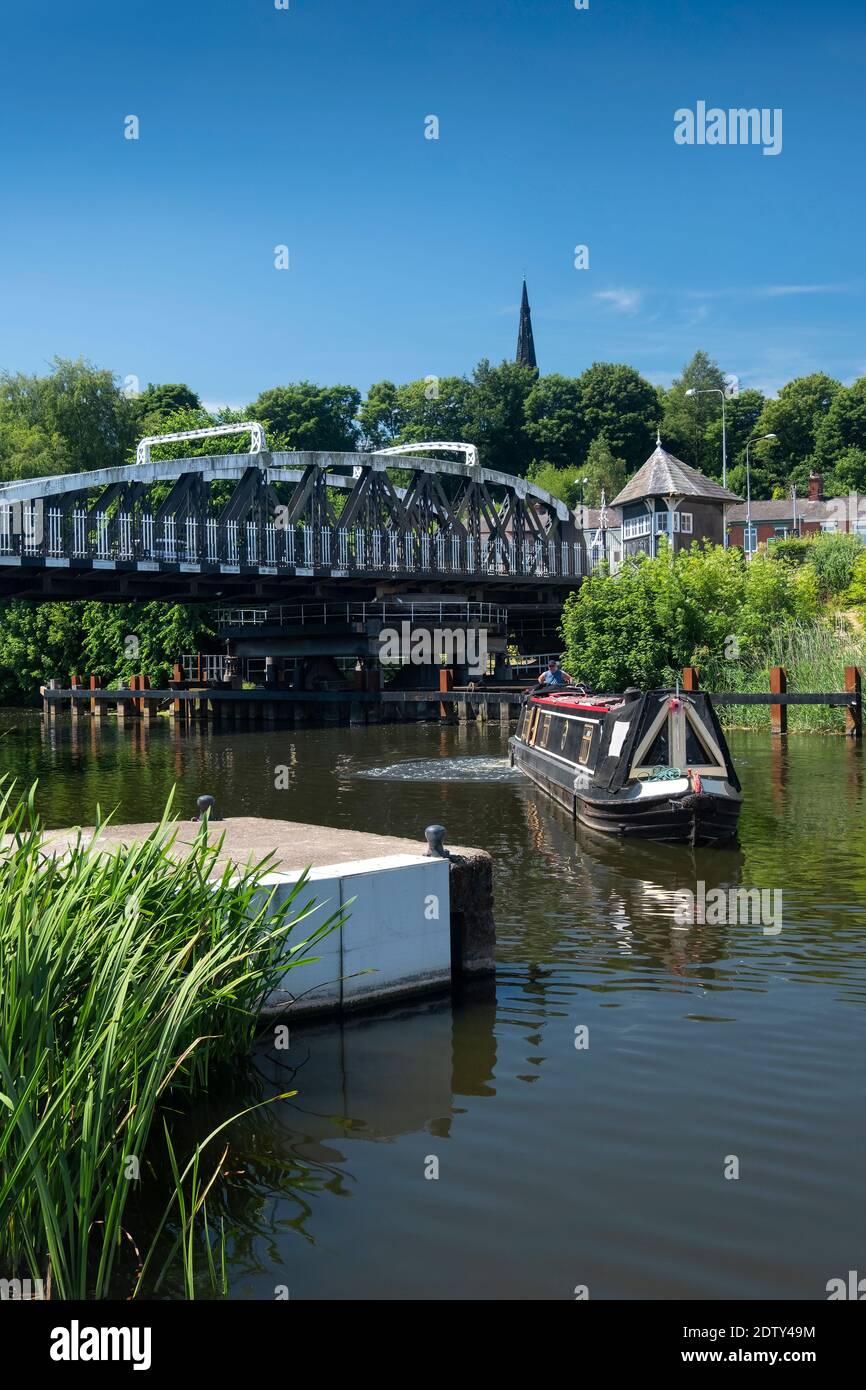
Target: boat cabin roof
580, 704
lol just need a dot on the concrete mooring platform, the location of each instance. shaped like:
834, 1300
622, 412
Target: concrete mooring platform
416, 919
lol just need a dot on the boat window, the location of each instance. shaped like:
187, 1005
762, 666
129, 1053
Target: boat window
545, 730
696, 753
564, 740
585, 744
659, 753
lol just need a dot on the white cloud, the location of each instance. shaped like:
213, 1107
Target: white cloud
774, 291
626, 301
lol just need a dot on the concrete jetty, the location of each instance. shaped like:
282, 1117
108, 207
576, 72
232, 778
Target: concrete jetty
419, 914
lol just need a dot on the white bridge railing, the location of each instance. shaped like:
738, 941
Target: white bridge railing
78, 536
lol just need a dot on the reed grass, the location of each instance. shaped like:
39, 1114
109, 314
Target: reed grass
815, 656
125, 978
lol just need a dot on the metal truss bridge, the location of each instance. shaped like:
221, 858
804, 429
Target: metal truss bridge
266, 525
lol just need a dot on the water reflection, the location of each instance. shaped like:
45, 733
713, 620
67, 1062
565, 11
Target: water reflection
557, 1166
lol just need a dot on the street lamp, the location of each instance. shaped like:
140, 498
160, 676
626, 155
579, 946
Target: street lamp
756, 439
718, 391
583, 482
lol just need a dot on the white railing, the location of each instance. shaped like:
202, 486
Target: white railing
103, 537
7, 528
125, 548
127, 536
55, 532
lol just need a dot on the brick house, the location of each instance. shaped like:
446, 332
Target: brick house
668, 497
793, 516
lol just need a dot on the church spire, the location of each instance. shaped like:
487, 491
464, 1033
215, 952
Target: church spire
525, 344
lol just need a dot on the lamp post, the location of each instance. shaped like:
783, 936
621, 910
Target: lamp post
756, 439
718, 391
583, 482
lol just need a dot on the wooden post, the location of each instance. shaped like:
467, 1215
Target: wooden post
96, 705
854, 712
178, 712
691, 680
778, 713
446, 682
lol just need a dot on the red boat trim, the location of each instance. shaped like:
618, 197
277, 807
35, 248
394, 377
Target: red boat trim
549, 701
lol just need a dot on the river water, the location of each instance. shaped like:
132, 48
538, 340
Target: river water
704, 1051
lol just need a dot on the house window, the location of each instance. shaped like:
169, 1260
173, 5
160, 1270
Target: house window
750, 539
780, 532
686, 522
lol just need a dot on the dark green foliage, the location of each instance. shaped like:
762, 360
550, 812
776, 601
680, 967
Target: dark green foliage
305, 416
39, 642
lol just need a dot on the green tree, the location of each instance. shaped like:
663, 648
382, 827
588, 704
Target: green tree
496, 415
380, 418
842, 427
38, 642
162, 633
158, 403
305, 416
687, 418
848, 474
643, 624
602, 470
742, 414
554, 421
795, 416
617, 402
28, 451
561, 482
79, 404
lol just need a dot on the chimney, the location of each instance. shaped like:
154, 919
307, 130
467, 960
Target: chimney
816, 487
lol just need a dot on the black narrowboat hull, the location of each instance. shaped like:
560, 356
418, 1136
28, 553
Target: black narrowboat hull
681, 810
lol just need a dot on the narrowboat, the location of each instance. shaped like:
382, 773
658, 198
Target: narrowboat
652, 764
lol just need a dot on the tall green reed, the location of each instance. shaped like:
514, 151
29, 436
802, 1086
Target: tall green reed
125, 975
815, 656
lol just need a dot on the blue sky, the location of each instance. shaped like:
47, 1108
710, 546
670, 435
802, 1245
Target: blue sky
305, 127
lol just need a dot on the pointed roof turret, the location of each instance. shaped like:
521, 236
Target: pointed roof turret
663, 475
525, 342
